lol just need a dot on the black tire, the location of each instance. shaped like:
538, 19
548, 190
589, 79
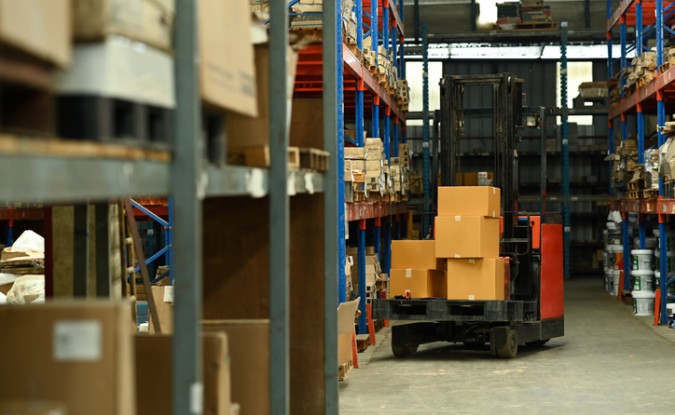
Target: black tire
509, 349
537, 343
403, 351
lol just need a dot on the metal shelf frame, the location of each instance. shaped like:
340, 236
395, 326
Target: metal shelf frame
650, 18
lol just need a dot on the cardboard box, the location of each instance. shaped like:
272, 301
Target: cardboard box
355, 153
244, 131
249, 345
306, 119
467, 237
40, 28
373, 270
475, 279
416, 283
154, 374
481, 178
225, 32
163, 296
76, 353
346, 315
415, 255
147, 21
469, 201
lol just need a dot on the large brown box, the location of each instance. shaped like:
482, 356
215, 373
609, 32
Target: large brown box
147, 21
475, 279
420, 254
467, 237
249, 344
76, 353
40, 28
226, 67
245, 131
154, 374
469, 201
416, 283
346, 315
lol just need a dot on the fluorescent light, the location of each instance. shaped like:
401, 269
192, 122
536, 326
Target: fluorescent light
582, 52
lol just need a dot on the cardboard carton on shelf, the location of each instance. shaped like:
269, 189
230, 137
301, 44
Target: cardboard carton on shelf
415, 254
476, 279
469, 201
38, 28
154, 373
467, 237
346, 315
146, 21
83, 352
249, 346
416, 283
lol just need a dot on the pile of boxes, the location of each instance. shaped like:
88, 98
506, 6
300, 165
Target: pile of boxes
369, 176
643, 70
376, 281
534, 11
463, 262
624, 162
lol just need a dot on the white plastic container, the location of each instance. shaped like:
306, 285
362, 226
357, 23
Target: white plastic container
642, 280
616, 277
643, 304
642, 259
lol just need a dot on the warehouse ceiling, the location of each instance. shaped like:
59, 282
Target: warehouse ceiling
451, 20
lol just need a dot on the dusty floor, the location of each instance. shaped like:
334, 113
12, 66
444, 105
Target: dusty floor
609, 362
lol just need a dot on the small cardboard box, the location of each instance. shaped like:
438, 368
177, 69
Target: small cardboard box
78, 353
225, 32
39, 28
154, 373
467, 237
163, 296
355, 153
249, 345
416, 283
415, 255
475, 279
469, 201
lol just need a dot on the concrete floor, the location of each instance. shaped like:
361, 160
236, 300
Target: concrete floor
609, 362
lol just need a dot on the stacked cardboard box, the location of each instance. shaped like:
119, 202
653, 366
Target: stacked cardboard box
415, 270
508, 14
467, 238
374, 277
534, 11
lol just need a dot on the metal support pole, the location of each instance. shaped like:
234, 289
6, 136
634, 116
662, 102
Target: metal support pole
279, 213
375, 123
103, 277
639, 45
544, 164
334, 241
395, 140
362, 276
641, 160
387, 133
187, 386
425, 133
610, 133
587, 14
80, 250
386, 264
623, 33
627, 286
567, 230
661, 119
169, 240
10, 229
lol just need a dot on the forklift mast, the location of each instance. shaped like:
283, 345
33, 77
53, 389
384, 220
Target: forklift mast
507, 99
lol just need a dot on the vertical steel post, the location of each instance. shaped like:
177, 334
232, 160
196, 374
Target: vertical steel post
544, 165
426, 160
374, 25
377, 236
401, 51
640, 118
567, 230
279, 212
623, 33
362, 275
661, 119
103, 276
360, 88
334, 241
386, 265
386, 136
610, 133
375, 122
169, 240
395, 136
80, 250
185, 174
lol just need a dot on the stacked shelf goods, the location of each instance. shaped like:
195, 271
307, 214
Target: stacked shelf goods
645, 88
525, 15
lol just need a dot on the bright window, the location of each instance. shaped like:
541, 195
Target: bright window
413, 73
577, 73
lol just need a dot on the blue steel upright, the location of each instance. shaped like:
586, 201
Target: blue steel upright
426, 175
661, 118
341, 231
640, 117
363, 328
565, 151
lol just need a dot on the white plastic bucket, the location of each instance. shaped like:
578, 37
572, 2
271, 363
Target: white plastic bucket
643, 304
616, 277
642, 280
642, 259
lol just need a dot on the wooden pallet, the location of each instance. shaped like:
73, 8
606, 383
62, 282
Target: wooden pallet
362, 342
344, 369
313, 159
537, 26
259, 156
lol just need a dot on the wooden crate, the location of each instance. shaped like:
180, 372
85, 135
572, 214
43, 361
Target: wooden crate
314, 159
259, 156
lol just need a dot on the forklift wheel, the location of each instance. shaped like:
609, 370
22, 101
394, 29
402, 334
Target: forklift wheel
537, 343
403, 351
509, 349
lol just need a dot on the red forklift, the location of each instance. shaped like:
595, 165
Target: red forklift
533, 242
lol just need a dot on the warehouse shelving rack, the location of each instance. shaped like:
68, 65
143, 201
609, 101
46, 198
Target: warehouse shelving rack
31, 173
358, 90
650, 18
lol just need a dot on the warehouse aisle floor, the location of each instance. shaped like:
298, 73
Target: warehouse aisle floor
609, 362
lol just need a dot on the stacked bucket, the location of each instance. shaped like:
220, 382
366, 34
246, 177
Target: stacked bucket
642, 275
613, 256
